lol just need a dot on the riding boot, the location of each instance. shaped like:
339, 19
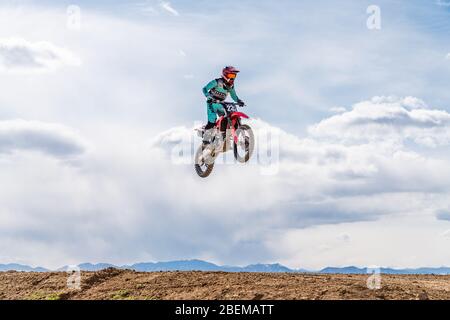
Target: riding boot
208, 136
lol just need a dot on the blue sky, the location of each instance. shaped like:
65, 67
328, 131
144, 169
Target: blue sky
402, 59
88, 118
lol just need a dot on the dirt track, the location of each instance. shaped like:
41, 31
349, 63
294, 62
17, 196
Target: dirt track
125, 284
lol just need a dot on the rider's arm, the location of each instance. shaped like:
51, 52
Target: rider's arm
208, 87
234, 95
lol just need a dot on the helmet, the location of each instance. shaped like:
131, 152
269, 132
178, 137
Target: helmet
229, 74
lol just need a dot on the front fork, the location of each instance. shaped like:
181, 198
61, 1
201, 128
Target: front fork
235, 123
224, 137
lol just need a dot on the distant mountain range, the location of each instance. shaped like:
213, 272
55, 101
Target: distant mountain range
185, 265
199, 265
355, 270
20, 267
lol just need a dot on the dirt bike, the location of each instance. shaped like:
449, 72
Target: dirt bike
240, 135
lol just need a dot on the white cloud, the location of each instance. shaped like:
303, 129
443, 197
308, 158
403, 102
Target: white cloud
338, 109
448, 56
148, 10
168, 7
124, 202
344, 237
388, 118
326, 185
334, 169
19, 55
317, 247
155, 7
49, 138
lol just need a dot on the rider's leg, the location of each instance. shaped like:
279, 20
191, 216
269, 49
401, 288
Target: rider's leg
212, 110
218, 108
223, 124
210, 126
209, 132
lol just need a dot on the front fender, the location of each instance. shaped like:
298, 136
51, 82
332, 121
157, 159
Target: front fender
239, 115
219, 122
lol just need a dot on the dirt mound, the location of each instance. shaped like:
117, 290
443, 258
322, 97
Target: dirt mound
100, 276
110, 284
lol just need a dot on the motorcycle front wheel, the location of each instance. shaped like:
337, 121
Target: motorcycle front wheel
243, 149
203, 167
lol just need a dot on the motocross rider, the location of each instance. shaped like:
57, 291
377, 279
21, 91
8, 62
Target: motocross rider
216, 92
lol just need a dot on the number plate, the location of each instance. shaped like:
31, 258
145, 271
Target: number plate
231, 108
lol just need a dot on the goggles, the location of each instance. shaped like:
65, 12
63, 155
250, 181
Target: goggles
231, 76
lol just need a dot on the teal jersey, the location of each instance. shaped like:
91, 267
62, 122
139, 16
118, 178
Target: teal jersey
217, 89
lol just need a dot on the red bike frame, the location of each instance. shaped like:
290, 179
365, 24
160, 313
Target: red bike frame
235, 116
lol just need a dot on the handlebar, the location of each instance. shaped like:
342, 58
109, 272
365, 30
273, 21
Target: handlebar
230, 107
225, 103
232, 104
